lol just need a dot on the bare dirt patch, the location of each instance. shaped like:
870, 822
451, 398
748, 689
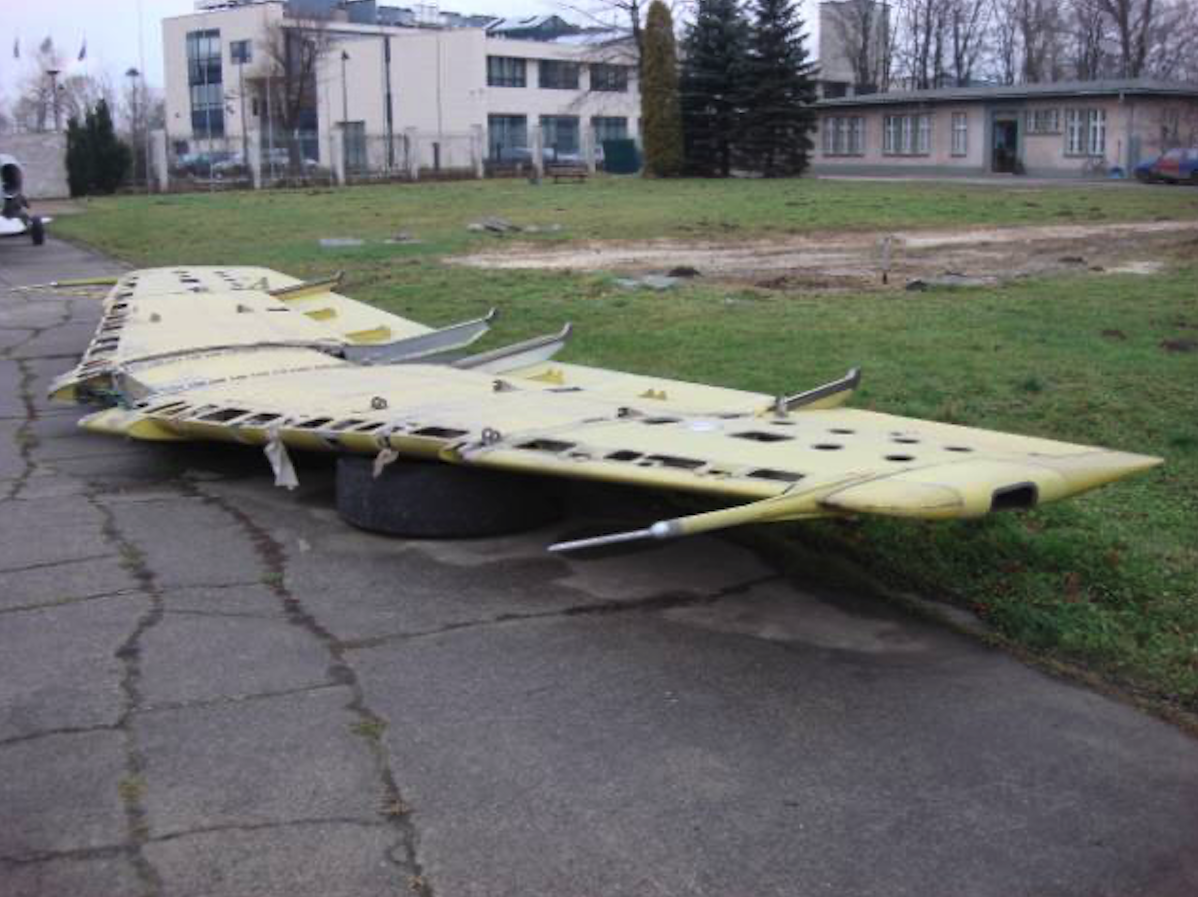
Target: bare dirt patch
858, 259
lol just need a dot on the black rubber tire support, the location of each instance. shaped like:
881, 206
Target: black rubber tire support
37, 231
442, 501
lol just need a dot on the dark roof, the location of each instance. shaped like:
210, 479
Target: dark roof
1136, 86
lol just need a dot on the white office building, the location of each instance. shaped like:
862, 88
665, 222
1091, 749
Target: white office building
385, 87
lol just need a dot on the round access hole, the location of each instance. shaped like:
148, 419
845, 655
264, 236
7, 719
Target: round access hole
900, 458
957, 448
841, 431
905, 440
827, 446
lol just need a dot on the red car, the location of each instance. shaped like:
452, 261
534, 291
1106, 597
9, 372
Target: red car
1175, 166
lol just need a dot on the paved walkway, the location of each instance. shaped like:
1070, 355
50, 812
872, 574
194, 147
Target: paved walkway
212, 687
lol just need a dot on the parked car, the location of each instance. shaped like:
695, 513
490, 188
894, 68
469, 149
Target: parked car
233, 166
280, 158
202, 164
1176, 166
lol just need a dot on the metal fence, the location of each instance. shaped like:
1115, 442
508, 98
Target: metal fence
235, 163
351, 156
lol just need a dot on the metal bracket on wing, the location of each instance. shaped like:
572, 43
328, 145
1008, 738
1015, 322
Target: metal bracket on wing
424, 346
827, 396
308, 287
517, 355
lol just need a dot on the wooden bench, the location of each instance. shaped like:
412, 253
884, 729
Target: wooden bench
559, 173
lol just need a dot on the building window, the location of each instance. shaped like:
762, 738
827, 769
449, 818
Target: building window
907, 135
609, 128
1043, 121
507, 138
241, 52
205, 83
560, 135
856, 136
844, 135
1085, 132
1097, 132
207, 110
557, 75
960, 133
609, 78
506, 71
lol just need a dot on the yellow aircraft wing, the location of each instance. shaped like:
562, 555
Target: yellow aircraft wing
249, 355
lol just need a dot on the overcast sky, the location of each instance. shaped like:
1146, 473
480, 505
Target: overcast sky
111, 29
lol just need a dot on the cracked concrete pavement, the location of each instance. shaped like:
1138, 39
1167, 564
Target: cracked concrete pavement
212, 687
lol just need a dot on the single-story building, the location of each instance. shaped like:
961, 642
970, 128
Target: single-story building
1066, 129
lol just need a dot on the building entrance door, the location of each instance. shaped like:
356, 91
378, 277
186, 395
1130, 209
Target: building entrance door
1005, 152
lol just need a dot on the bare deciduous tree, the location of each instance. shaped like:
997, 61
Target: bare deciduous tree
606, 13
968, 21
1173, 42
941, 42
1040, 33
920, 48
1133, 22
1004, 42
43, 97
1030, 41
864, 31
286, 75
1089, 39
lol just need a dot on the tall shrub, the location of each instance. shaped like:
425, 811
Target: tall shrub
79, 174
660, 111
112, 158
97, 162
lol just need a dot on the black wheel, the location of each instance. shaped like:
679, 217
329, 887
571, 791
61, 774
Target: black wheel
442, 501
37, 231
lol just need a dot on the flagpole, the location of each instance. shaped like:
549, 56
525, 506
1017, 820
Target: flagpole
145, 89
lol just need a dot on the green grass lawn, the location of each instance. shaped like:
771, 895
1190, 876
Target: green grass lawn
1109, 580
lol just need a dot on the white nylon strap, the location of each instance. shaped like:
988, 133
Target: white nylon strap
280, 461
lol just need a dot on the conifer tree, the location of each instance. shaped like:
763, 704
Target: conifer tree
97, 161
78, 158
713, 86
110, 157
660, 112
779, 92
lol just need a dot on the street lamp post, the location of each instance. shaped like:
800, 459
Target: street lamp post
240, 50
133, 74
270, 127
344, 115
53, 73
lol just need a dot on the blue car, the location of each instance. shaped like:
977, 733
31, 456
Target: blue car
1177, 166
